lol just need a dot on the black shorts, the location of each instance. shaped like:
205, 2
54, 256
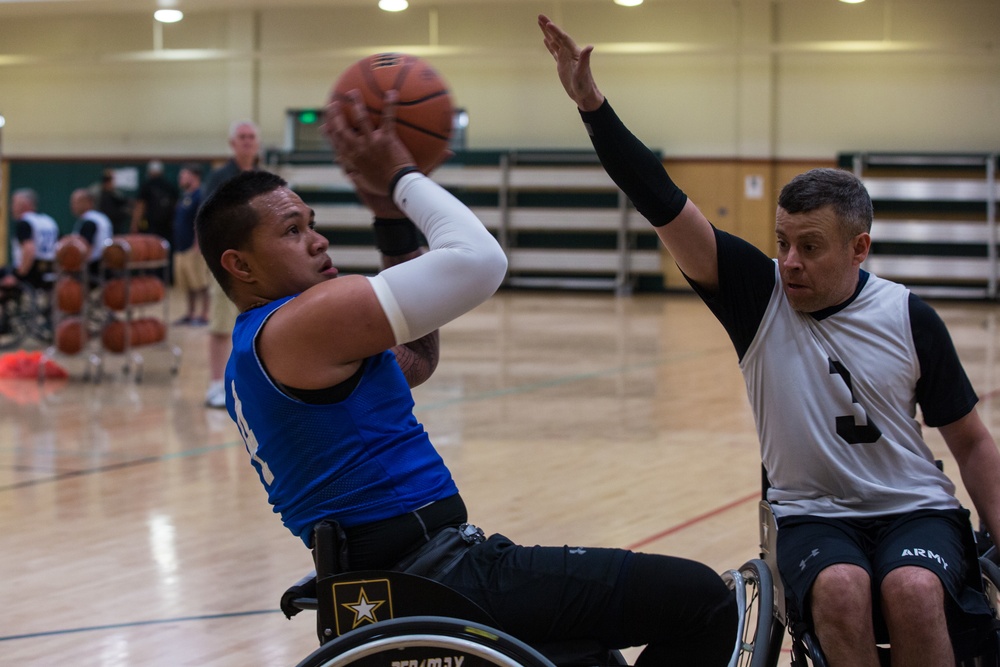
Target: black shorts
938, 540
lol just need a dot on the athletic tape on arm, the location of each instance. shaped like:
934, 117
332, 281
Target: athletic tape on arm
464, 267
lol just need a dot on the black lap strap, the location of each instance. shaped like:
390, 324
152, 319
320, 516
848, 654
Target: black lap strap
437, 557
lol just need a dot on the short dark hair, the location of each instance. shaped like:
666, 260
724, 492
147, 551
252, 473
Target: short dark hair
226, 220
194, 168
841, 190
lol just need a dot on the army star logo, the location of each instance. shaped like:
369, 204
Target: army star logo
359, 601
364, 610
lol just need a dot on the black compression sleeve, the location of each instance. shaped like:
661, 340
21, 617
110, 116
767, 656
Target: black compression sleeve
397, 236
633, 167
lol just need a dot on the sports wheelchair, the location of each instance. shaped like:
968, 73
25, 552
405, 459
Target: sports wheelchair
25, 312
767, 615
395, 619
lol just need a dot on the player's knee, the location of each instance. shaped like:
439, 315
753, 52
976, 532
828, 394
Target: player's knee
913, 593
842, 592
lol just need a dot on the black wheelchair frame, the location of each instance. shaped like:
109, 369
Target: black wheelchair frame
25, 312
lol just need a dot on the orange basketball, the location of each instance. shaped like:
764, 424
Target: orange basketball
72, 251
69, 335
113, 336
69, 295
114, 292
424, 113
117, 253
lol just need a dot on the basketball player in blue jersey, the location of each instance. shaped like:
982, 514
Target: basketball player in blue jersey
835, 362
319, 385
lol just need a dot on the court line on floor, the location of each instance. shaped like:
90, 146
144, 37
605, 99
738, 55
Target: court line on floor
137, 624
111, 467
693, 521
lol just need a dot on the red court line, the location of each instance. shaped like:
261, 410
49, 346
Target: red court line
739, 501
692, 521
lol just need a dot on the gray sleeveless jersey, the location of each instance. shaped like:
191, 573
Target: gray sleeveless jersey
835, 410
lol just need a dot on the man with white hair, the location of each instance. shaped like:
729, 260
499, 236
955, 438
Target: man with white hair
33, 251
244, 141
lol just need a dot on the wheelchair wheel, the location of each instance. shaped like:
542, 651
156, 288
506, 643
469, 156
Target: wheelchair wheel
991, 583
37, 313
12, 326
760, 636
425, 640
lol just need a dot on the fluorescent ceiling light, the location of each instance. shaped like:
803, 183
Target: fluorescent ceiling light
853, 2
393, 5
168, 15
628, 3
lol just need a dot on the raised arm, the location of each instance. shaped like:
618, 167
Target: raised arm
399, 240
319, 338
680, 225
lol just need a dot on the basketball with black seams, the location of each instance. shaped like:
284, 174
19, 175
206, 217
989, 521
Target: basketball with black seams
424, 113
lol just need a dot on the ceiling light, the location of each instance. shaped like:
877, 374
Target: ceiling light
628, 3
168, 15
393, 5
853, 2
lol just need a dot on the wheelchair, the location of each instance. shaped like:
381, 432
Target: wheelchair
767, 615
379, 618
25, 312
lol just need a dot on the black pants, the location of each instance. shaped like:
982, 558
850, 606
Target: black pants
681, 610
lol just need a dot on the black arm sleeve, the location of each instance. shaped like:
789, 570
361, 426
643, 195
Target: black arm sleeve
944, 391
633, 167
87, 230
24, 231
746, 281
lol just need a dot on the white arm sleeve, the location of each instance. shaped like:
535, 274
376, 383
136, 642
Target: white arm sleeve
464, 267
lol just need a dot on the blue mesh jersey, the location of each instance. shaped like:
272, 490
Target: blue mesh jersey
363, 459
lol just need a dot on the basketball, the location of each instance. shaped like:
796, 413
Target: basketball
71, 252
424, 112
113, 336
69, 295
69, 335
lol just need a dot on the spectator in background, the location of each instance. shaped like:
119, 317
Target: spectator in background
153, 212
244, 141
112, 203
94, 226
190, 270
33, 248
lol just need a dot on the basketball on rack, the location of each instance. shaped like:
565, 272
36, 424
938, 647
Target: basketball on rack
69, 295
72, 251
424, 111
70, 335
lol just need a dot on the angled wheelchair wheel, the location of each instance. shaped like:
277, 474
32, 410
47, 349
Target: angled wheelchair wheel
36, 312
425, 640
12, 325
760, 635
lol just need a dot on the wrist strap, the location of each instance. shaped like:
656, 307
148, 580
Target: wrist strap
399, 174
397, 236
